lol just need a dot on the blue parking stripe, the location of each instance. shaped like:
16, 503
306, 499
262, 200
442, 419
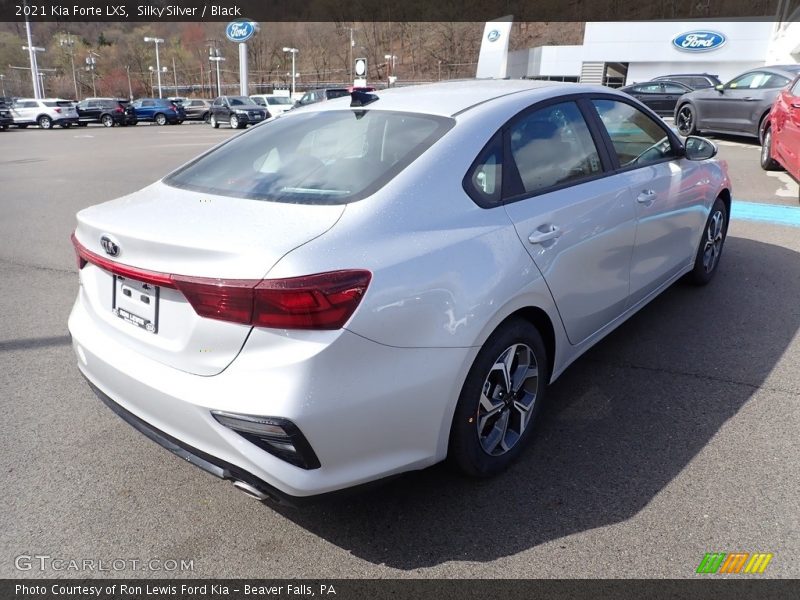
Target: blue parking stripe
770, 213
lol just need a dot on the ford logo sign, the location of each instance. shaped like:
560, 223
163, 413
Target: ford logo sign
240, 31
699, 41
493, 36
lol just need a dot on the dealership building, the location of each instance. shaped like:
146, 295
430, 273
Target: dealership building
621, 53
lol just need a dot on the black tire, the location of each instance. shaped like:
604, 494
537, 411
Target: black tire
206, 117
234, 122
107, 121
482, 444
160, 119
767, 162
686, 120
214, 122
709, 250
44, 122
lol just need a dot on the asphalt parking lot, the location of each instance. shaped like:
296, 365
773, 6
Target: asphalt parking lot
675, 436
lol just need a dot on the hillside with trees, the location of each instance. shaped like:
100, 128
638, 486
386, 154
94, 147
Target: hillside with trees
123, 61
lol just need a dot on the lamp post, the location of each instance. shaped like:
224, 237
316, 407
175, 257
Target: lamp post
390, 62
352, 45
157, 41
3, 83
213, 55
293, 52
90, 63
157, 72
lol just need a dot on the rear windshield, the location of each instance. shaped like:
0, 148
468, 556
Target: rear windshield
239, 100
63, 103
328, 157
331, 94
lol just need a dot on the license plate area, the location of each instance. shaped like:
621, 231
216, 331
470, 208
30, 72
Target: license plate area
136, 303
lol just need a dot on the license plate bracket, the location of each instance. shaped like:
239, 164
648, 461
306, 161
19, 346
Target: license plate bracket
136, 303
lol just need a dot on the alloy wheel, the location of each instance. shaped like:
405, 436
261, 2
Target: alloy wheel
107, 121
234, 122
765, 148
685, 120
45, 122
507, 399
713, 242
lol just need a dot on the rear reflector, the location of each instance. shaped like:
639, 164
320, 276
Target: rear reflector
319, 301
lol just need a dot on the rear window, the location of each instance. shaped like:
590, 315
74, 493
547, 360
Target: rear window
61, 103
279, 100
239, 101
331, 94
330, 157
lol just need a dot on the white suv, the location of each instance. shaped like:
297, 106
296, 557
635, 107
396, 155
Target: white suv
275, 105
45, 112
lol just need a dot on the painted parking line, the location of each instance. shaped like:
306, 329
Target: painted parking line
768, 213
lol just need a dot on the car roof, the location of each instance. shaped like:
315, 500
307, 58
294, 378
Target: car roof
686, 75
449, 98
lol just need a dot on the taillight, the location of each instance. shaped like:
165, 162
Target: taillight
58, 110
119, 109
172, 108
319, 301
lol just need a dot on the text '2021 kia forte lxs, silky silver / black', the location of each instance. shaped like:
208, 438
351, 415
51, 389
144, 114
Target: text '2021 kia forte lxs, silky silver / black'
373, 284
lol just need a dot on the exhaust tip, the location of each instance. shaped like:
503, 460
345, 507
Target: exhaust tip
248, 489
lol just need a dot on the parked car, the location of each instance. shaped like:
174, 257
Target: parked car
781, 147
237, 111
275, 105
696, 81
323, 94
161, 111
6, 119
197, 109
106, 111
45, 113
660, 96
388, 280
738, 107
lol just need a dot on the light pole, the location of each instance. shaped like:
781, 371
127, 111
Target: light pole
158, 72
32, 50
293, 52
213, 55
157, 41
130, 89
352, 45
390, 62
3, 84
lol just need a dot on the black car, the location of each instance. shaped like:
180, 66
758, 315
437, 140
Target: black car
659, 96
197, 109
696, 81
739, 107
237, 111
106, 111
6, 119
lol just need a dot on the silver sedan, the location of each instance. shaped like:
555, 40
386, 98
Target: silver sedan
377, 283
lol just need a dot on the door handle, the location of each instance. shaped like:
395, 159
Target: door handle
646, 197
539, 236
749, 99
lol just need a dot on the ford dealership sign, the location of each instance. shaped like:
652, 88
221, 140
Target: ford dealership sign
240, 31
699, 41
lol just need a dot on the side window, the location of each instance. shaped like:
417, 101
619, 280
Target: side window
752, 80
774, 81
148, 103
698, 82
671, 88
637, 139
648, 88
553, 146
217, 102
796, 88
484, 181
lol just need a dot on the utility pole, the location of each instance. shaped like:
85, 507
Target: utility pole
130, 89
175, 76
293, 52
350, 63
215, 57
3, 84
90, 64
157, 41
32, 54
69, 42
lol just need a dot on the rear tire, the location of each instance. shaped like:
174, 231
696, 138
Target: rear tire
767, 162
711, 243
160, 119
206, 117
107, 121
45, 122
502, 394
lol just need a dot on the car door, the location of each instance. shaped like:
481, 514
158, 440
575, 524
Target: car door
730, 108
786, 135
25, 111
672, 91
669, 193
575, 218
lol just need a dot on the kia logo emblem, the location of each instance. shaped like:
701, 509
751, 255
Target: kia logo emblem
109, 245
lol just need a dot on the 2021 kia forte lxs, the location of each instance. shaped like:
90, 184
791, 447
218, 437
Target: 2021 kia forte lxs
373, 284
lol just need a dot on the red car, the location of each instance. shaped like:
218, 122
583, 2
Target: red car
781, 148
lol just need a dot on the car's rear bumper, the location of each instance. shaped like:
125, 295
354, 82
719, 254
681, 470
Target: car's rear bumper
368, 411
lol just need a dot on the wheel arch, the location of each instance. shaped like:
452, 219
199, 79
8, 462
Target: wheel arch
725, 196
763, 123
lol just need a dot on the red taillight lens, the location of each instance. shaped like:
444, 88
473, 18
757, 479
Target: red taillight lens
119, 109
58, 110
320, 301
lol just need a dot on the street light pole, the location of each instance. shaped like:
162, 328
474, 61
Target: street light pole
32, 55
130, 89
69, 42
390, 58
90, 63
157, 41
293, 52
215, 57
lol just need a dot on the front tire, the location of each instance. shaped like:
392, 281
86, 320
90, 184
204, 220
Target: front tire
710, 249
160, 119
214, 122
767, 162
234, 122
686, 120
45, 122
503, 393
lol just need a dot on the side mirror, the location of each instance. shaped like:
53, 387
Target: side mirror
720, 88
699, 148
